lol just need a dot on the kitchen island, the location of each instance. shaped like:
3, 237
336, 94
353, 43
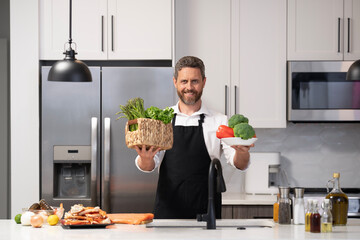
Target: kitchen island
9, 230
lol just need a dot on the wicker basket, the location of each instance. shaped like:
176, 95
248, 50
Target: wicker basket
150, 132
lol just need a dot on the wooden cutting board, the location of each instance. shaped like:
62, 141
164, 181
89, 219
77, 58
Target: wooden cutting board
131, 218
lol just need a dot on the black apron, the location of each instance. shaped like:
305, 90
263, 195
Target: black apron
182, 191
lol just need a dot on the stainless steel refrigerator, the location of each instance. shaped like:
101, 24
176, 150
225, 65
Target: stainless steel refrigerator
84, 158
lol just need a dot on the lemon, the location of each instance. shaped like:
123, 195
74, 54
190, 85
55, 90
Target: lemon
53, 220
18, 218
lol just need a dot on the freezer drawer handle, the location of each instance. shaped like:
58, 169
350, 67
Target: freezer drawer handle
106, 167
93, 161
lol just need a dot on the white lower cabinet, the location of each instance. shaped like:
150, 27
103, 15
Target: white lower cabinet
243, 46
107, 29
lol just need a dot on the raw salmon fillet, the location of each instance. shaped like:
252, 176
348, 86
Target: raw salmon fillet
131, 218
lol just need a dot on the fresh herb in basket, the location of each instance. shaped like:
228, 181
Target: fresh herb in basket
134, 108
165, 115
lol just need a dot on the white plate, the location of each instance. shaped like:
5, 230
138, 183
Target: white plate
238, 141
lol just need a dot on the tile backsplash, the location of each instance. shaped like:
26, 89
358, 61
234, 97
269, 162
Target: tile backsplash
310, 153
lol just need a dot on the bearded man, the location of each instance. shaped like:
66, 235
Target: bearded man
182, 191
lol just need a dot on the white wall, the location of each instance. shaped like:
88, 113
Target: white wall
24, 84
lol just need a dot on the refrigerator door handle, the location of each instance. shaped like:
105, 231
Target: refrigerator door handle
106, 167
94, 123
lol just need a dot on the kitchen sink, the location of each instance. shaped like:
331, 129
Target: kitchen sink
221, 223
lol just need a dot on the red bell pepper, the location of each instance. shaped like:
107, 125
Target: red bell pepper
224, 132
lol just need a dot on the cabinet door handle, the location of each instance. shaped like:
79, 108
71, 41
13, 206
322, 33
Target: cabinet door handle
235, 96
226, 99
348, 50
339, 34
112, 32
102, 33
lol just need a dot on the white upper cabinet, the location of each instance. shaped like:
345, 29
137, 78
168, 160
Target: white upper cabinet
260, 68
107, 29
352, 29
202, 29
318, 29
140, 29
243, 46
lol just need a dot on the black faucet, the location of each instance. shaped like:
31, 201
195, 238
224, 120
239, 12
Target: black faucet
210, 216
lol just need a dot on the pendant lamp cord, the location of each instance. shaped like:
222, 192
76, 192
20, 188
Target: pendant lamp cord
70, 20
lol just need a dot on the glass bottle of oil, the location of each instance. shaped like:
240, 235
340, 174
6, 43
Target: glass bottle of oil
339, 202
326, 218
276, 209
308, 214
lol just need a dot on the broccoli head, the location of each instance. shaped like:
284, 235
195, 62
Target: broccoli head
244, 131
236, 119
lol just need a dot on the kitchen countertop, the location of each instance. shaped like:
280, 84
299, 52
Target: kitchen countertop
11, 231
244, 199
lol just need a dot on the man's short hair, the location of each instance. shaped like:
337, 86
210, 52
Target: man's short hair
192, 62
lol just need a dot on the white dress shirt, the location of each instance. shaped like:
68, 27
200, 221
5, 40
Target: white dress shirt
211, 123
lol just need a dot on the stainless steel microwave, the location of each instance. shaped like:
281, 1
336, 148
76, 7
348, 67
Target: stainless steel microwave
319, 92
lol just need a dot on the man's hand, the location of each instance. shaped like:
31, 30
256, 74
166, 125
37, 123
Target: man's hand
146, 160
242, 156
242, 149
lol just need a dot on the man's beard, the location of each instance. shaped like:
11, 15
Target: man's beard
191, 100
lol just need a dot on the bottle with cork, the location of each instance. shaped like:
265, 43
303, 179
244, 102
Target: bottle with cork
308, 214
339, 201
315, 219
326, 218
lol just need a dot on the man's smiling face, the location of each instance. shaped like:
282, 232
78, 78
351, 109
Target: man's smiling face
189, 85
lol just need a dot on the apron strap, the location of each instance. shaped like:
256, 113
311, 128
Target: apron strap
174, 119
201, 120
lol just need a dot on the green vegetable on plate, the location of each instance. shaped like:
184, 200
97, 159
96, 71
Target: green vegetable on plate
236, 119
244, 131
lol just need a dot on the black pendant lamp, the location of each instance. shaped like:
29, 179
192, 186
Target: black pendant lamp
354, 71
70, 69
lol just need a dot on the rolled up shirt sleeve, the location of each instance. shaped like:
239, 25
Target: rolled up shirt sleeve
229, 154
157, 159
